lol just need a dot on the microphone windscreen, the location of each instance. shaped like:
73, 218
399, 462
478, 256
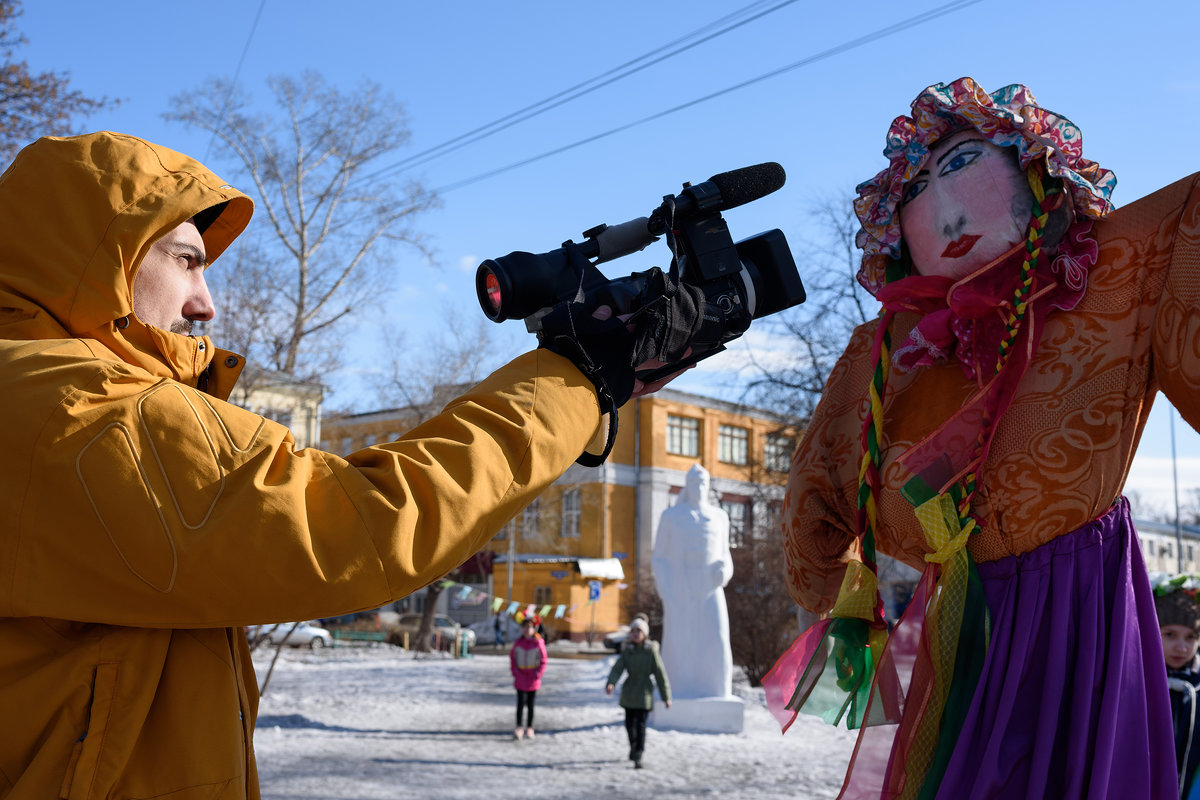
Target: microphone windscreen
740, 186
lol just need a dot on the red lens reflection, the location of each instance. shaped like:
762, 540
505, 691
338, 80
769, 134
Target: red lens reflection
493, 291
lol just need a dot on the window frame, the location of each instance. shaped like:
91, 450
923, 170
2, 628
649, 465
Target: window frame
572, 513
682, 431
733, 444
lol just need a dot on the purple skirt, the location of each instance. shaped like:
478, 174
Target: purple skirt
1072, 701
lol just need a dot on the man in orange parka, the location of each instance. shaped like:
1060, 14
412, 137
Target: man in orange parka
147, 520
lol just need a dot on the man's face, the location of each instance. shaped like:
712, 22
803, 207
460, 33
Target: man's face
1179, 645
169, 291
969, 205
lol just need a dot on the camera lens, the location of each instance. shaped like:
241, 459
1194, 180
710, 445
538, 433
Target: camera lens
490, 290
491, 286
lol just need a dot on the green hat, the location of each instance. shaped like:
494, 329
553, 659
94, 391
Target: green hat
1175, 601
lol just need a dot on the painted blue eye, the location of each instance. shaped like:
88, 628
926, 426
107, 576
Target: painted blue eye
913, 189
959, 161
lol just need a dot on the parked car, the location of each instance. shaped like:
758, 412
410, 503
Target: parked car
306, 634
613, 641
443, 625
485, 630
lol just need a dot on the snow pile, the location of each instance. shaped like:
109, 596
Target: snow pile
376, 722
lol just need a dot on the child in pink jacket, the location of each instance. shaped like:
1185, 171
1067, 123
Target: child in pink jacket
528, 661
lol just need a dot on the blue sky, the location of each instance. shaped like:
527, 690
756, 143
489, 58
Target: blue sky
1127, 78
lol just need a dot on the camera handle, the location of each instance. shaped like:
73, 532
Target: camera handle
602, 349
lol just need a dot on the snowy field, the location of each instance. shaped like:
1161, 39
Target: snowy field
360, 723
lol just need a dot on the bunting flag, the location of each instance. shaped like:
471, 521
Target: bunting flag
469, 595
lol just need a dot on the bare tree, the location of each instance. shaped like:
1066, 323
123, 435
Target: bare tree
809, 338
422, 379
316, 254
34, 105
1142, 507
642, 598
761, 612
1189, 508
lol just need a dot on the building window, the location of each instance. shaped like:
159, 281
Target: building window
683, 436
541, 596
570, 513
777, 452
529, 519
739, 517
732, 444
1191, 553
371, 440
347, 445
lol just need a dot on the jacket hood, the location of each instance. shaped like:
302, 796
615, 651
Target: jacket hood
77, 216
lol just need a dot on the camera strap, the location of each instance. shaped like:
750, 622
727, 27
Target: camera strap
602, 349
670, 312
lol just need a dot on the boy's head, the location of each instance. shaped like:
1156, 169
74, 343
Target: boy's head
1179, 622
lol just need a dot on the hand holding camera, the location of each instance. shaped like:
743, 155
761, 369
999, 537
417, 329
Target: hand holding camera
710, 294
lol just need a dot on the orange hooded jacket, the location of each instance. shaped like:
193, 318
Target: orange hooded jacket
146, 521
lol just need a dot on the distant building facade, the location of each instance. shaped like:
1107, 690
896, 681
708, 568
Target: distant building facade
1162, 549
280, 397
594, 527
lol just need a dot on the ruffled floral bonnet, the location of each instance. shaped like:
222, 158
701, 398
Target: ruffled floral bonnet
1007, 117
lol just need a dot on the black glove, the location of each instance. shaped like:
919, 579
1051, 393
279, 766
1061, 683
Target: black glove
602, 349
669, 317
666, 316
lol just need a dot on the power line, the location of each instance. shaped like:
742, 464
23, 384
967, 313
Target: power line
238, 71
911, 22
581, 89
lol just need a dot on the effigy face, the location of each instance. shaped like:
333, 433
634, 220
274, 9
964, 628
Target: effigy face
969, 205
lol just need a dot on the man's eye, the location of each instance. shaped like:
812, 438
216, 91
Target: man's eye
959, 161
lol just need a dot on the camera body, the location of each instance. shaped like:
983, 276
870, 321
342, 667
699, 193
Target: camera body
740, 282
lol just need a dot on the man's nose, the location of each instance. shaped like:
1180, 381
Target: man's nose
199, 306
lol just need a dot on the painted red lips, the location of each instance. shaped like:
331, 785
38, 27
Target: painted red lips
959, 248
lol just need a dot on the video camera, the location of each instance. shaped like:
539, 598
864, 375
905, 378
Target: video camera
739, 282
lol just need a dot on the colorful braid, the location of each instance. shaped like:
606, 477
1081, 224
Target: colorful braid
872, 437
1012, 327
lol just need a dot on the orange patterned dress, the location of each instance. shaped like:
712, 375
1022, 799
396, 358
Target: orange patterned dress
1062, 449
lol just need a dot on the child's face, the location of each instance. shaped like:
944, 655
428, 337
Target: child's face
529, 629
1179, 645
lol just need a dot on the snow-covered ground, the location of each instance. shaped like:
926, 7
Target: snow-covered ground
375, 722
